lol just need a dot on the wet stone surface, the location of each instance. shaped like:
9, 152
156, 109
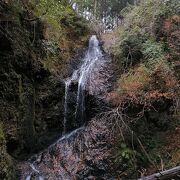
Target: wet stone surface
83, 154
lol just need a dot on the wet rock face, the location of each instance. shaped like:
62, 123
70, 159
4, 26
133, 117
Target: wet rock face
49, 111
76, 60
83, 154
5, 44
71, 107
93, 104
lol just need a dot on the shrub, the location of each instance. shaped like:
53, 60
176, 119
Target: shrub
152, 50
129, 48
147, 46
135, 81
142, 28
163, 79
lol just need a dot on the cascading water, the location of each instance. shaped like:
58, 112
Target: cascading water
85, 152
93, 54
83, 76
67, 84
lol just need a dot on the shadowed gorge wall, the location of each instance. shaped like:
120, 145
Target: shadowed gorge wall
31, 90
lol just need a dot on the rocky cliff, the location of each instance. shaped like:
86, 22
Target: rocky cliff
31, 70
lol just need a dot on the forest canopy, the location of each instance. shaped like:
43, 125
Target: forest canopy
108, 12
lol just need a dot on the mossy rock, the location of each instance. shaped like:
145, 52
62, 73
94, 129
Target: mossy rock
7, 170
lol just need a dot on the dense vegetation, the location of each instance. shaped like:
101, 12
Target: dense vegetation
146, 50
38, 38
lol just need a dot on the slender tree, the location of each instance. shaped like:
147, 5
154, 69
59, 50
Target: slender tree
105, 11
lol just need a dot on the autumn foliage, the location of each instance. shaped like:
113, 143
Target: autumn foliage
153, 71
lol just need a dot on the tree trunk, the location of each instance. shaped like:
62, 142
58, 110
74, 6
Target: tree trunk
164, 175
95, 9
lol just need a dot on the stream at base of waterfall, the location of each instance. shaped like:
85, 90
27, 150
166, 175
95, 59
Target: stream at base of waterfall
84, 153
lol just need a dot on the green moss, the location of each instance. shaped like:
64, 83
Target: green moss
1, 133
7, 171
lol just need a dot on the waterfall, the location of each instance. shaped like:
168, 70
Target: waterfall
82, 76
67, 84
82, 151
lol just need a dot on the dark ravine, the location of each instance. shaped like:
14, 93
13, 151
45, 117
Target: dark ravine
31, 92
85, 149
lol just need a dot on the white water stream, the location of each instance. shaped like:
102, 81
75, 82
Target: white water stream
83, 76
